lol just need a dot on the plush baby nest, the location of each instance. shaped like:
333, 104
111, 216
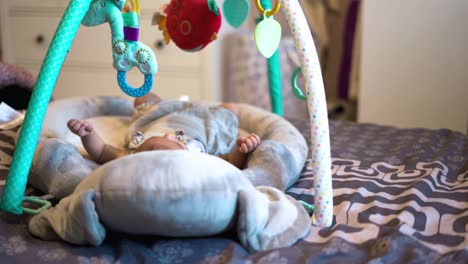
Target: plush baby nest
171, 193
277, 162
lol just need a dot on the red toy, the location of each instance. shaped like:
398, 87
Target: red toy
191, 24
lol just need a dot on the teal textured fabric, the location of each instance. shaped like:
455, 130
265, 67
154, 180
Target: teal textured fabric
16, 183
274, 75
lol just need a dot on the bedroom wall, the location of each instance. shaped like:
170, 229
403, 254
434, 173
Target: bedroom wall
414, 64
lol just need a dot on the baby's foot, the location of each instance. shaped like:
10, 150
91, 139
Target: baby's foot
79, 127
150, 98
249, 143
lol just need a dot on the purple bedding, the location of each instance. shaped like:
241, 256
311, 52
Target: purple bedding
400, 196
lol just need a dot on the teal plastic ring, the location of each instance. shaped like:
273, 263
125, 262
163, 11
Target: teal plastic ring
36, 200
134, 92
295, 88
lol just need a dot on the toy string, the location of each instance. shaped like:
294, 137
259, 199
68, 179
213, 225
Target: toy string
13, 194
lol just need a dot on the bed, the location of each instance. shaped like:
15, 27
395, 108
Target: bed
399, 196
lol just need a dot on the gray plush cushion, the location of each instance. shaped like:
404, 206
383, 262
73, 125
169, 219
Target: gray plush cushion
277, 162
172, 193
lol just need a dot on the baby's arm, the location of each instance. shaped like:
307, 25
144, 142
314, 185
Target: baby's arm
93, 143
244, 146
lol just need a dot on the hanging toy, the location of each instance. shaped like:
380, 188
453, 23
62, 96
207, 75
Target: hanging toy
268, 31
236, 11
128, 52
191, 24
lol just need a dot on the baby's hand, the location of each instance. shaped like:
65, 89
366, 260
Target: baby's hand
79, 127
249, 143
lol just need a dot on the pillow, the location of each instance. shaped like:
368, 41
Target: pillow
169, 193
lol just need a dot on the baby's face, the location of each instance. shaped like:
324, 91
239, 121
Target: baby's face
166, 142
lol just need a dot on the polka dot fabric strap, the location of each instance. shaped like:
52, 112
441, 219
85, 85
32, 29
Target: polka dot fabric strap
315, 93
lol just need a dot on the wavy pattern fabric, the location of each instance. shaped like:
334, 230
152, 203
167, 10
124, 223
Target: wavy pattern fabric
420, 202
401, 195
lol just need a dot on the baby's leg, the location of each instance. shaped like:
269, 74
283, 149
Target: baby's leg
93, 143
150, 98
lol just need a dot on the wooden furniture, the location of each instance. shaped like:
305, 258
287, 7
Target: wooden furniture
27, 28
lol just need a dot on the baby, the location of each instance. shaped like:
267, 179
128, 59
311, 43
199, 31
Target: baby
102, 153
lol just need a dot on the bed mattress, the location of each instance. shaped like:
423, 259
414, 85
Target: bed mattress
400, 195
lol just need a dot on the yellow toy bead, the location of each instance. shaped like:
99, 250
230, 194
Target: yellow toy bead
269, 13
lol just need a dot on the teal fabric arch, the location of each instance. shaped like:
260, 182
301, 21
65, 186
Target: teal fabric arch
13, 194
274, 75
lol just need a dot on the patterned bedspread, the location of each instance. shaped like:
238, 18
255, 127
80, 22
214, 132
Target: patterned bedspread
400, 196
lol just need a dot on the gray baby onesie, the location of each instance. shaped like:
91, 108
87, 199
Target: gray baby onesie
215, 127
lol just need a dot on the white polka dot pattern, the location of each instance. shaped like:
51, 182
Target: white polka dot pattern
315, 92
